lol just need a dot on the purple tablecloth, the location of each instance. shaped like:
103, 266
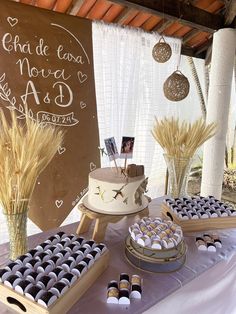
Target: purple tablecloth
156, 286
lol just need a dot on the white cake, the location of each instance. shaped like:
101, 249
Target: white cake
112, 192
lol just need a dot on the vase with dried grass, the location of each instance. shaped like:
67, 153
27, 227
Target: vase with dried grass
26, 148
180, 140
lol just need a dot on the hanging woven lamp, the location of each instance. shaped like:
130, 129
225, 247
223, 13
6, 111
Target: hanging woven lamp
176, 86
162, 51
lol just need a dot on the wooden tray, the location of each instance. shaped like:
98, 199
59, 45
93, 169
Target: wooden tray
199, 224
21, 304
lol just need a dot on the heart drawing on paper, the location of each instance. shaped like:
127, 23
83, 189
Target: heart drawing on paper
61, 150
83, 105
59, 203
12, 21
82, 76
92, 166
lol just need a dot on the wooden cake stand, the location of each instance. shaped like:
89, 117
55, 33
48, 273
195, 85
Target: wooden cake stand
101, 221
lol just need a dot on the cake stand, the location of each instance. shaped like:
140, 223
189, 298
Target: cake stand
102, 219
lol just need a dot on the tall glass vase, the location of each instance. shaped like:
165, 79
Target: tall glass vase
17, 231
178, 169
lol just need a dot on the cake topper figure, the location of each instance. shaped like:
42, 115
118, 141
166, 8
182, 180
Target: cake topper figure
118, 192
102, 150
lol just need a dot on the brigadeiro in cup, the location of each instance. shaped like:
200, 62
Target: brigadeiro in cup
68, 279
79, 269
12, 280
45, 267
4, 273
46, 282
57, 273
23, 271
47, 298
34, 293
13, 267
59, 288
23, 285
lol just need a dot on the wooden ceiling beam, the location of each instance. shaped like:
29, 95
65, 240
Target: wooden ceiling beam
190, 35
160, 27
122, 16
75, 6
203, 47
230, 12
176, 10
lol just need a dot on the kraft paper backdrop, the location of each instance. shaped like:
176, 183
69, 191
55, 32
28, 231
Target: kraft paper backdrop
46, 61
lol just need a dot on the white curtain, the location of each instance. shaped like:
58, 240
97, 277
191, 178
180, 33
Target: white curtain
129, 91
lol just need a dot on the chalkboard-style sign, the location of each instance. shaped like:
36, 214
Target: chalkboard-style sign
46, 63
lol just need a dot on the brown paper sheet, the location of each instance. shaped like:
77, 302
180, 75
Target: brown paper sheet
46, 59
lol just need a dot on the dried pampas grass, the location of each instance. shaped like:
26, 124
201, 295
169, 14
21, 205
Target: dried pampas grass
26, 148
181, 139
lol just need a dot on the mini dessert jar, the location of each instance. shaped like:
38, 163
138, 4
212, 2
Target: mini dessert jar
136, 292
124, 297
112, 284
112, 295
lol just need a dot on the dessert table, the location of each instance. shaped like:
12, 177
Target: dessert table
206, 283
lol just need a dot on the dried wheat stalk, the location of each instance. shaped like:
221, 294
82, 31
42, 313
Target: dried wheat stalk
25, 150
181, 139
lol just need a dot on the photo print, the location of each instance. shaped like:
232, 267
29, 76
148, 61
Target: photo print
127, 147
111, 148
